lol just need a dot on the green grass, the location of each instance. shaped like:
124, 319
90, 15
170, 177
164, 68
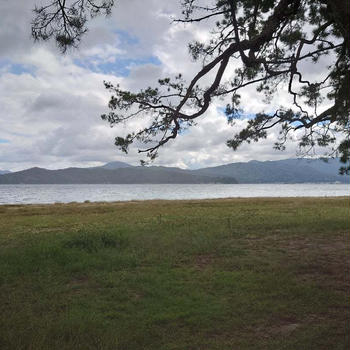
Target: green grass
211, 274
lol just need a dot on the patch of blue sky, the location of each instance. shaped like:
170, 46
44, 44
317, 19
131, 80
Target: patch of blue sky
186, 129
6, 66
123, 63
4, 141
120, 67
19, 69
126, 38
243, 115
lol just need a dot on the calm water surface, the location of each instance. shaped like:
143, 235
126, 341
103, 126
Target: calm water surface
26, 194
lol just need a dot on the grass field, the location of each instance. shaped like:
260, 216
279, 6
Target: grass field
189, 275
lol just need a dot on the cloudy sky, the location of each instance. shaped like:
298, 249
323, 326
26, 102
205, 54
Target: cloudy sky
50, 104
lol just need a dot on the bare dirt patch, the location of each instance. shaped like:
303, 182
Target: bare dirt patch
203, 261
326, 261
77, 283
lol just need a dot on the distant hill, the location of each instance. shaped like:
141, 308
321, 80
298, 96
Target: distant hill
126, 175
4, 172
281, 171
115, 165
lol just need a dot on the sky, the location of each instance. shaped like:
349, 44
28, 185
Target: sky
51, 103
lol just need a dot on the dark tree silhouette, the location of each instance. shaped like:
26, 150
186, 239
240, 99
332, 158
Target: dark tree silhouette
271, 42
65, 20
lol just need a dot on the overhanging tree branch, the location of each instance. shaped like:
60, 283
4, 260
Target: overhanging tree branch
270, 43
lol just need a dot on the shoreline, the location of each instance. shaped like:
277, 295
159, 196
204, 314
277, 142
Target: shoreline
51, 194
155, 201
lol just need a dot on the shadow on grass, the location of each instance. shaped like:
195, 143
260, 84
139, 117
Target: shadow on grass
92, 242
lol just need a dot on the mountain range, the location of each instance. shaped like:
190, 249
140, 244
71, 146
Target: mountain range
281, 171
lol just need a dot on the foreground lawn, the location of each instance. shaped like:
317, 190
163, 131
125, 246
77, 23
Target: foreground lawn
213, 274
